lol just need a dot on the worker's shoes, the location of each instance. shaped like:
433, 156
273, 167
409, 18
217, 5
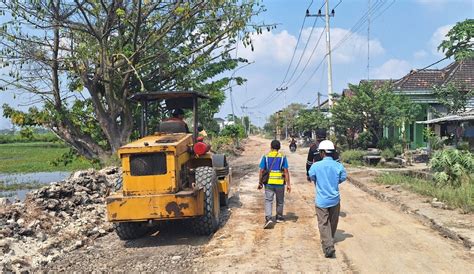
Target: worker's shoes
280, 219
268, 223
330, 252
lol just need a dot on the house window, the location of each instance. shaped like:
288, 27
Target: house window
412, 130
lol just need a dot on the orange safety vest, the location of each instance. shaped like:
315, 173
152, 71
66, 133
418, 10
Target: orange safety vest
275, 167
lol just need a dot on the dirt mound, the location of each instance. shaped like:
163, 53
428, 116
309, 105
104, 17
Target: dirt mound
55, 219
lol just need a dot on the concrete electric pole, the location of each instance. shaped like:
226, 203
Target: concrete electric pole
328, 52
284, 106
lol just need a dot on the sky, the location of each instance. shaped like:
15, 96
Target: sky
404, 35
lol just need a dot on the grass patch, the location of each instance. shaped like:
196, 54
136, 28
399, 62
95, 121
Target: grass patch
460, 197
353, 157
18, 186
36, 157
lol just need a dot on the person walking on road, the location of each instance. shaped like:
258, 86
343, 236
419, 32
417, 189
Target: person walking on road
327, 174
274, 176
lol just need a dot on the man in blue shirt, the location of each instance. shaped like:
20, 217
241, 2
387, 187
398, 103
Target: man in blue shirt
327, 174
278, 177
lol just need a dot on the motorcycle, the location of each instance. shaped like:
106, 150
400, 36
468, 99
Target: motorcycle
293, 147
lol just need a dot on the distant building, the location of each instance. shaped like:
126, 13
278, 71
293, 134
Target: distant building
418, 87
220, 122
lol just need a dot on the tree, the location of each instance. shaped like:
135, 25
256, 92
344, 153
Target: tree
289, 115
460, 42
82, 59
454, 97
311, 119
369, 109
460, 45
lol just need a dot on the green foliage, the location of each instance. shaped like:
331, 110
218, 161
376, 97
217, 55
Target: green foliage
388, 154
221, 143
113, 49
311, 119
36, 157
234, 131
463, 146
364, 140
453, 96
35, 137
453, 167
436, 143
290, 115
460, 197
397, 149
17, 186
352, 156
460, 42
371, 108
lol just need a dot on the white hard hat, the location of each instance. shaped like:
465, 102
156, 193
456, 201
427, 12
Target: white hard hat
326, 145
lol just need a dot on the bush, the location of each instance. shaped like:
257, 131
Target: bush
233, 131
352, 156
436, 143
463, 146
221, 143
384, 143
397, 149
452, 167
364, 140
388, 154
460, 197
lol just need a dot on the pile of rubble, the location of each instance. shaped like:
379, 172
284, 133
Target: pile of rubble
55, 219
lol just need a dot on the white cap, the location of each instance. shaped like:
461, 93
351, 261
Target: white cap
326, 145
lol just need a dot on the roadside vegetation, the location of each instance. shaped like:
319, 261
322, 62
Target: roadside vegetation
37, 157
459, 197
4, 186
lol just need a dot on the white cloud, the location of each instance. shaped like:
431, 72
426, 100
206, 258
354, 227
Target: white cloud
270, 47
391, 69
440, 4
353, 48
420, 54
438, 36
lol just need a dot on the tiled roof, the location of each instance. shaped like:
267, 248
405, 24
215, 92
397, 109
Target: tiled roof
460, 73
377, 83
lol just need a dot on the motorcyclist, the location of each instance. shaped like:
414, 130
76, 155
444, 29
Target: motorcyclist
293, 144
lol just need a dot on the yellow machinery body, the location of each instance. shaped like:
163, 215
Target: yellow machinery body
156, 180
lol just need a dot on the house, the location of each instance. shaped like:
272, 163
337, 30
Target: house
220, 122
418, 87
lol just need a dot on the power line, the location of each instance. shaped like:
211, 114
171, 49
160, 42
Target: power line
296, 47
309, 59
274, 95
382, 12
304, 50
360, 23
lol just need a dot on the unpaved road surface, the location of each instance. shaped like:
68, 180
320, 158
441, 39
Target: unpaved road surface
372, 236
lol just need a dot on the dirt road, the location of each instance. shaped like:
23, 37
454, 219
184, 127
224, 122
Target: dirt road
372, 237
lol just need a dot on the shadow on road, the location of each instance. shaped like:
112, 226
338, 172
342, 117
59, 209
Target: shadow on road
341, 235
291, 217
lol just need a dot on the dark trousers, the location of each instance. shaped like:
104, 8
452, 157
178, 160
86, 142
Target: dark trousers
279, 193
327, 223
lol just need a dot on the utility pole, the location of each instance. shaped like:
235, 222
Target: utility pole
232, 105
284, 106
368, 42
319, 101
328, 51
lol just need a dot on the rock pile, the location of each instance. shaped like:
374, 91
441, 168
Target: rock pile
55, 219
